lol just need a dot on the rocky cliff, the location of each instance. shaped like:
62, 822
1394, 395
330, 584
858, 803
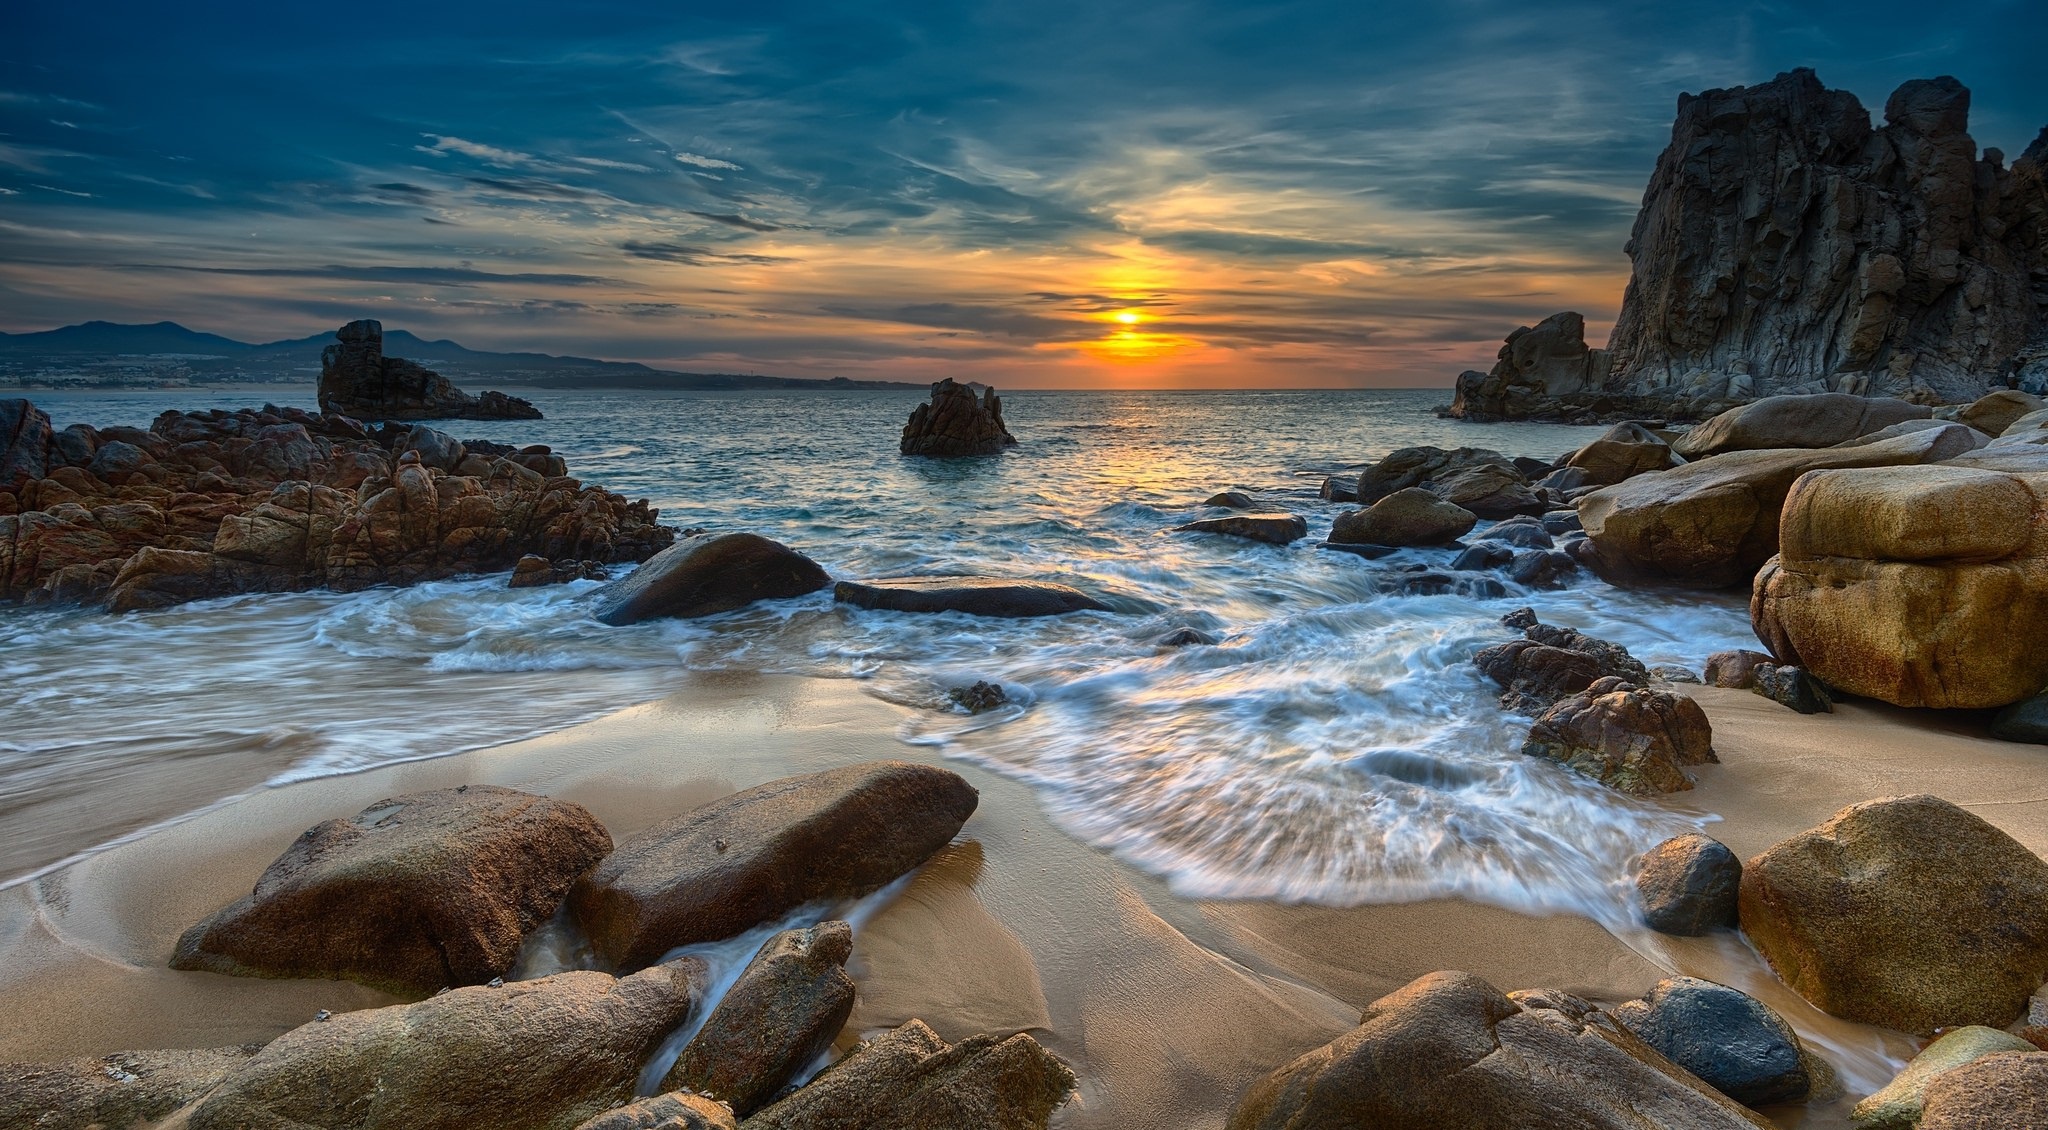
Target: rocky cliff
1785, 244
356, 379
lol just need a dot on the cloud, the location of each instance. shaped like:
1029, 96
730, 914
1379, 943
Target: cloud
694, 256
489, 154
392, 273
704, 162
732, 220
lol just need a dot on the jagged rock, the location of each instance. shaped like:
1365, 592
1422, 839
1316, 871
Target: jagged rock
533, 571
981, 596
1622, 452
1920, 586
1687, 885
980, 698
1733, 1042
737, 862
666, 1112
956, 423
1547, 364
529, 1055
1816, 420
783, 1013
1792, 687
1902, 1102
1450, 1052
414, 893
1995, 412
909, 1079
1412, 516
356, 379
1904, 912
707, 574
1997, 1092
1279, 529
111, 1091
25, 442
1632, 739
1735, 670
1714, 522
1550, 663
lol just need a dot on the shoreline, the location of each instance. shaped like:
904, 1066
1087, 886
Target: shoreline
1166, 1007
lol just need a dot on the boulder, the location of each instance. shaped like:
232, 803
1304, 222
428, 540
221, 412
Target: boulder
980, 698
979, 596
1971, 437
707, 574
1542, 568
909, 1079
1919, 586
735, 863
666, 1112
534, 571
1687, 885
957, 422
1523, 533
1450, 1052
1411, 516
1820, 420
356, 379
782, 1014
1792, 687
412, 894
1900, 1105
111, 1091
2023, 721
1729, 1039
1279, 529
1714, 522
1735, 670
1673, 673
1622, 452
1421, 466
1632, 739
1550, 663
1489, 491
1233, 500
1996, 1092
1994, 412
1905, 912
530, 1055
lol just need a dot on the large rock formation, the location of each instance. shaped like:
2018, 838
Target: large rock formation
214, 503
1786, 245
956, 422
356, 379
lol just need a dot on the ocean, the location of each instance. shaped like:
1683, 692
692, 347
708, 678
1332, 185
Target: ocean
1334, 746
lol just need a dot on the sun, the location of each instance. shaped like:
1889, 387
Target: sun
1128, 317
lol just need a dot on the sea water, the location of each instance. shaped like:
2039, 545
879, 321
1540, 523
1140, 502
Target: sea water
1335, 745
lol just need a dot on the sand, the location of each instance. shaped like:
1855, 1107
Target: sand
1167, 1008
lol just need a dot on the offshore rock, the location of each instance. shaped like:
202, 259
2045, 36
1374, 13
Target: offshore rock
979, 596
413, 894
909, 1079
1631, 739
1484, 482
356, 379
955, 422
1277, 529
780, 1016
707, 574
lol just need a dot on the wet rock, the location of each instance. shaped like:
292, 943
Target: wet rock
1541, 568
1687, 886
1233, 500
1821, 420
979, 596
734, 863
1565, 480
1994, 412
1791, 687
1562, 522
1411, 516
1521, 619
1735, 670
1421, 580
1631, 739
1279, 529
1918, 586
980, 698
957, 422
1522, 532
111, 1091
2023, 721
666, 1112
1185, 637
1905, 912
1550, 663
1996, 1092
1449, 1050
1672, 673
1485, 555
781, 1015
533, 571
1360, 549
707, 574
909, 1079
356, 379
529, 1055
412, 894
1732, 1041
1900, 1105
1622, 452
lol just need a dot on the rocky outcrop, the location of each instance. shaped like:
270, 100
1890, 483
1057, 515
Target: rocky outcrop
111, 1091
909, 1079
1412, 516
1451, 1052
1902, 1103
707, 574
1906, 912
1484, 482
980, 596
356, 379
530, 1055
414, 894
753, 856
1687, 885
1629, 738
956, 422
782, 1014
1550, 663
276, 500
1735, 1043
1920, 586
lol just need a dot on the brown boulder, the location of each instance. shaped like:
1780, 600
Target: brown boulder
530, 1055
1628, 738
1994, 412
666, 1112
1622, 452
1998, 1092
1411, 516
1450, 1052
1818, 420
1735, 670
111, 1092
412, 894
909, 1079
782, 1014
956, 423
706, 574
1688, 886
753, 856
1906, 912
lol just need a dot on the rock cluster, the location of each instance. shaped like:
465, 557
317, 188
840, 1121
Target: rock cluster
956, 422
1550, 663
356, 379
278, 499
1630, 738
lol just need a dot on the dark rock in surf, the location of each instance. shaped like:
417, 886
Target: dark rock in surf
356, 379
980, 698
1278, 529
533, 571
957, 423
1185, 637
1550, 663
1687, 885
980, 596
706, 574
1411, 516
1233, 500
1632, 739
782, 1014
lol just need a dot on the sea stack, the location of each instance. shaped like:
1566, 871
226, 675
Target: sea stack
356, 379
958, 422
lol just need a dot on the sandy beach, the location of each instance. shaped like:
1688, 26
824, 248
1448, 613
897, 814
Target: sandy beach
1167, 1008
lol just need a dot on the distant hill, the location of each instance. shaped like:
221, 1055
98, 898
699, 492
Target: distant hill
207, 355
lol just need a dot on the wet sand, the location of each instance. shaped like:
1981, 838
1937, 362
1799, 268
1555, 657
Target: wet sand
1168, 1008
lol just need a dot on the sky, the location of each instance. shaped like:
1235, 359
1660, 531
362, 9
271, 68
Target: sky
1204, 193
